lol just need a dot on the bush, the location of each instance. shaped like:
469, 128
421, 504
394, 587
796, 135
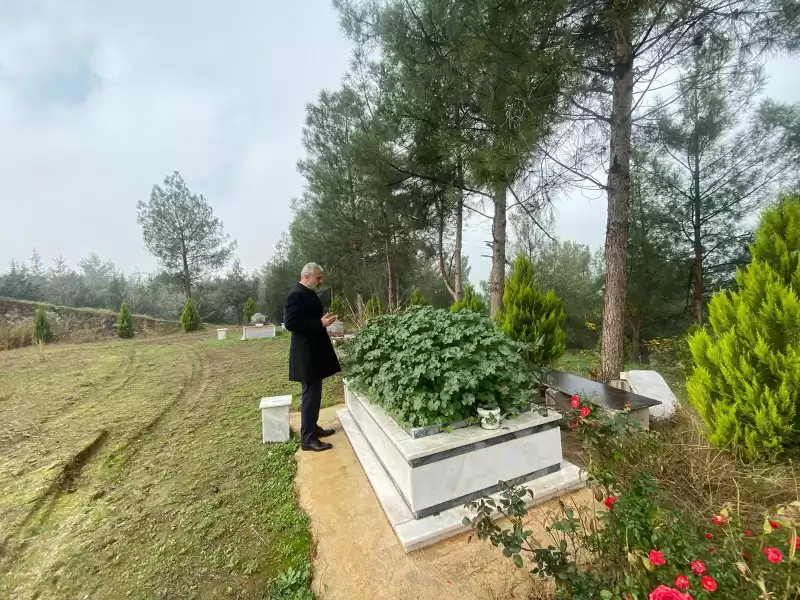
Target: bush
430, 366
43, 331
744, 384
190, 318
683, 351
337, 306
250, 309
373, 308
124, 322
418, 299
531, 317
642, 546
470, 301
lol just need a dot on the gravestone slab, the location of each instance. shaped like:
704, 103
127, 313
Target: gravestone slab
275, 418
651, 384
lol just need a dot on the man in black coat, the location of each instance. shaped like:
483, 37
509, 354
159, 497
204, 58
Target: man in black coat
311, 357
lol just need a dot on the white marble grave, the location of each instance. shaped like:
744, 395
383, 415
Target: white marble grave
275, 418
250, 332
424, 483
335, 328
651, 384
222, 334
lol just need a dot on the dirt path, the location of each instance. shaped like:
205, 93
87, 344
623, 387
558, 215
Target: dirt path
358, 556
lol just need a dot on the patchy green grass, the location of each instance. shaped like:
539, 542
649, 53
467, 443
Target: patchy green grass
577, 362
135, 469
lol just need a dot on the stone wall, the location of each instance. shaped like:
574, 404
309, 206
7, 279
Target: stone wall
69, 324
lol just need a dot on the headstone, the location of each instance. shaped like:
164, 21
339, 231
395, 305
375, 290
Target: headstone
652, 385
222, 334
275, 418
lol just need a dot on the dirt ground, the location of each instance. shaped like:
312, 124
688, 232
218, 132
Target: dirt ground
358, 556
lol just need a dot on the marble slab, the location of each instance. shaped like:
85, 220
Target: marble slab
651, 384
414, 533
275, 418
250, 332
436, 473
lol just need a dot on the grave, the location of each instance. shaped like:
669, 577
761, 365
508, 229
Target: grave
423, 483
256, 332
222, 334
651, 384
275, 418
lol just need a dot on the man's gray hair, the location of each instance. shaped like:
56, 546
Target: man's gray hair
310, 269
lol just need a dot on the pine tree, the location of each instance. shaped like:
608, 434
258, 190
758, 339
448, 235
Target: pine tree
124, 322
532, 317
250, 309
190, 318
43, 331
373, 308
744, 382
469, 301
418, 298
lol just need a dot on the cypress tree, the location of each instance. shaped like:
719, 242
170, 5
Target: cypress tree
418, 298
373, 308
469, 301
532, 317
190, 318
747, 361
124, 322
250, 309
43, 331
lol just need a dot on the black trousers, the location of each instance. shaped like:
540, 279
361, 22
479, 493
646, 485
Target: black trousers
309, 410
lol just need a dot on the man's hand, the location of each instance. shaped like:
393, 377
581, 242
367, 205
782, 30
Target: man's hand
328, 319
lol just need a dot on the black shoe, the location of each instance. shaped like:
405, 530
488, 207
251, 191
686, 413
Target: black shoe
316, 446
321, 433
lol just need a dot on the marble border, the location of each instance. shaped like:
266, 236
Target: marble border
492, 489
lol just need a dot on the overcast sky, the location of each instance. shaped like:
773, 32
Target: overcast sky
101, 99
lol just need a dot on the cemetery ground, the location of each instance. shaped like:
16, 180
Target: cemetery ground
136, 469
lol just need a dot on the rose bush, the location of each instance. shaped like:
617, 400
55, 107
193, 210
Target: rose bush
637, 544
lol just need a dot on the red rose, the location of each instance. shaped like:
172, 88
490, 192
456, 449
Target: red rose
698, 567
573, 424
748, 532
708, 583
585, 412
682, 582
709, 536
663, 592
575, 402
745, 556
797, 543
773, 555
773, 524
712, 549
718, 520
657, 558
609, 502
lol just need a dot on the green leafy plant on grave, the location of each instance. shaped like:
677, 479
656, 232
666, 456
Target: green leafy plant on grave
429, 366
190, 318
43, 331
250, 309
532, 317
747, 360
470, 301
124, 322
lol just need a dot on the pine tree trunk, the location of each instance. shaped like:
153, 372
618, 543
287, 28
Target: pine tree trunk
619, 184
457, 284
498, 276
390, 277
698, 241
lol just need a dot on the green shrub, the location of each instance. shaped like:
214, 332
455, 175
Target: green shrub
744, 384
337, 306
430, 366
124, 322
470, 301
373, 308
190, 318
418, 299
43, 331
531, 317
684, 353
250, 309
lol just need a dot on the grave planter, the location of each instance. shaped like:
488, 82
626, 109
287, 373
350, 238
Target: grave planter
424, 482
275, 418
490, 417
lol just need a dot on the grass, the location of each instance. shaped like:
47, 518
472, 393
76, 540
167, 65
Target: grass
135, 469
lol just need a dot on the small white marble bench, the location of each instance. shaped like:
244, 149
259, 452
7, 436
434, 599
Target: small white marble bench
275, 418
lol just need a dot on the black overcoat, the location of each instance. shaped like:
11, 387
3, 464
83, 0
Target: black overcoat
311, 356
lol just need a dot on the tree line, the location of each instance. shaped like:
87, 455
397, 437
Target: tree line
499, 107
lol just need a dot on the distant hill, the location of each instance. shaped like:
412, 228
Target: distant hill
78, 325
